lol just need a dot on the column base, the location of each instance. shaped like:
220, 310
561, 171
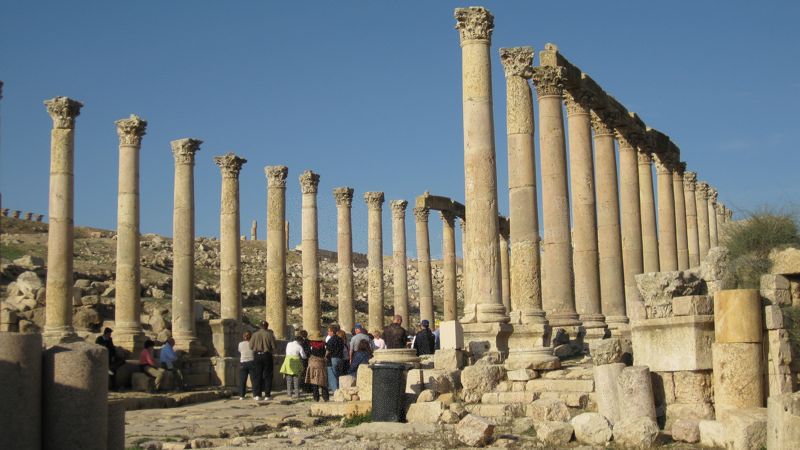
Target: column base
129, 339
189, 344
59, 335
470, 314
595, 326
226, 371
563, 320
225, 335
491, 313
529, 346
619, 326
483, 338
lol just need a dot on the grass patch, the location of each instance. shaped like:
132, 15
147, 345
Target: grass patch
356, 420
11, 252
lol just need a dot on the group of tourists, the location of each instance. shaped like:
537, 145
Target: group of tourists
155, 367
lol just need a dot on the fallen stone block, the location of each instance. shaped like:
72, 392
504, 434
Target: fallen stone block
347, 381
635, 390
544, 385
428, 412
639, 432
687, 411
659, 288
548, 409
449, 359
474, 431
712, 433
426, 396
745, 428
591, 428
606, 351
693, 305
553, 434
479, 379
686, 430
521, 375
605, 379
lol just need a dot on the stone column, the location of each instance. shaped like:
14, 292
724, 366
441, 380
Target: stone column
630, 214
720, 213
21, 390
689, 181
667, 243
449, 263
374, 202
557, 290
464, 264
681, 234
525, 284
230, 273
344, 256
505, 270
183, 320
276, 249
648, 209
310, 245
128, 306
58, 312
424, 279
254, 231
475, 25
584, 217
701, 198
712, 218
612, 284
399, 270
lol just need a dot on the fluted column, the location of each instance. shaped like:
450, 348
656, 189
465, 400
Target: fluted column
183, 320
584, 216
681, 234
525, 287
58, 312
424, 281
449, 299
701, 198
475, 26
310, 254
648, 209
128, 307
557, 290
712, 218
693, 239
344, 256
630, 219
667, 242
609, 240
399, 270
276, 249
230, 254
505, 270
374, 202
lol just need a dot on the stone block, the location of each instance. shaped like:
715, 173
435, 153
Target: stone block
515, 397
738, 375
479, 379
687, 411
484, 338
225, 371
491, 398
686, 430
605, 384
779, 380
779, 347
606, 351
364, 382
773, 317
21, 390
499, 410
776, 289
663, 390
426, 412
673, 344
638, 432
786, 261
546, 409
451, 335
659, 288
553, 434
745, 428
521, 375
474, 431
737, 316
426, 396
116, 425
693, 386
544, 385
142, 382
783, 421
441, 381
591, 428
693, 305
347, 381
712, 433
635, 390
449, 359
334, 409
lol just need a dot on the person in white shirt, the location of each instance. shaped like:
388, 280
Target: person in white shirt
292, 367
246, 367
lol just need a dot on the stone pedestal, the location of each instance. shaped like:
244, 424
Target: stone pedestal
344, 257
481, 338
226, 371
399, 268
277, 246
374, 202
225, 336
451, 335
230, 271
424, 278
674, 343
21, 390
529, 347
310, 255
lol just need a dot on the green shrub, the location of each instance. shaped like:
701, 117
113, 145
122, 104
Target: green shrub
358, 419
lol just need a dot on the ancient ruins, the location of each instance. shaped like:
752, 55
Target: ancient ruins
610, 318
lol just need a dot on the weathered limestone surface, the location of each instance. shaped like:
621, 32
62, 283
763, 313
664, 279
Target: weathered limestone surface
667, 240
657, 290
786, 261
639, 432
399, 270
635, 390
701, 202
605, 385
689, 186
344, 259
648, 206
630, 213
591, 428
783, 421
449, 263
374, 202
21, 390
424, 278
276, 249
309, 182
230, 272
692, 305
681, 233
674, 343
738, 375
737, 316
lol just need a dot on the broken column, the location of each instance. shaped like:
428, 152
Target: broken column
344, 256
701, 200
58, 312
681, 235
449, 263
693, 238
635, 390
648, 209
399, 269
310, 245
424, 279
21, 390
276, 249
128, 305
374, 202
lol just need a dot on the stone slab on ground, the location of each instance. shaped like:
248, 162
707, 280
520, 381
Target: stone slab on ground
141, 400
474, 431
344, 409
553, 434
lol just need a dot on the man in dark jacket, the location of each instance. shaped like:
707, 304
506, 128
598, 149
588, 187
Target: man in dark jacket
425, 341
395, 336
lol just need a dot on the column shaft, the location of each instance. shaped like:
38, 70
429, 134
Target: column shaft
230, 273
713, 239
630, 214
505, 269
648, 209
681, 234
310, 245
344, 256
667, 242
399, 271
424, 281
276, 249
374, 202
449, 263
693, 239
701, 198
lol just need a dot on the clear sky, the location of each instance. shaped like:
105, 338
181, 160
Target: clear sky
368, 94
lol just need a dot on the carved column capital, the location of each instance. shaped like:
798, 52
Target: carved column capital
131, 130
644, 158
309, 181
183, 150
719, 208
399, 209
421, 214
689, 181
577, 101
702, 188
343, 196
276, 176
448, 218
230, 165
663, 163
474, 23
517, 61
627, 140
712, 194
600, 124
549, 80
63, 111
374, 200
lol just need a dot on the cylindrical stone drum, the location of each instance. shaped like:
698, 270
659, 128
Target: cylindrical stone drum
635, 391
738, 375
116, 425
737, 316
75, 392
20, 390
605, 387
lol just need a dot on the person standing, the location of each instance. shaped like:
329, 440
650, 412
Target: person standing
317, 373
334, 347
395, 336
292, 366
263, 344
425, 341
246, 366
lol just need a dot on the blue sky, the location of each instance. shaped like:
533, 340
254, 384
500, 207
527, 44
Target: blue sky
368, 94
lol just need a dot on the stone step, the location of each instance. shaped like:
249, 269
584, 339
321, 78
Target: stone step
544, 385
337, 409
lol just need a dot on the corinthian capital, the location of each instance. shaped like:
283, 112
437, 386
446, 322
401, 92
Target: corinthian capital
131, 130
474, 23
276, 176
63, 111
600, 125
343, 196
421, 214
517, 61
549, 80
689, 180
308, 182
183, 150
663, 163
229, 164
448, 218
399, 209
577, 101
702, 188
712, 194
374, 200
644, 158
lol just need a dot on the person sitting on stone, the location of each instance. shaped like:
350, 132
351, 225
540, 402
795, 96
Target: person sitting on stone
114, 361
425, 341
361, 356
171, 363
317, 373
148, 365
395, 336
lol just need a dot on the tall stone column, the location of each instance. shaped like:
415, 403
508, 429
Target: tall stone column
276, 249
667, 242
464, 264
505, 269
701, 198
127, 324
449, 263
689, 181
230, 272
310, 245
630, 218
400, 271
648, 208
183, 320
584, 217
719, 209
609, 240
475, 25
712, 218
344, 256
424, 279
254, 231
557, 290
374, 202
681, 235
58, 312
